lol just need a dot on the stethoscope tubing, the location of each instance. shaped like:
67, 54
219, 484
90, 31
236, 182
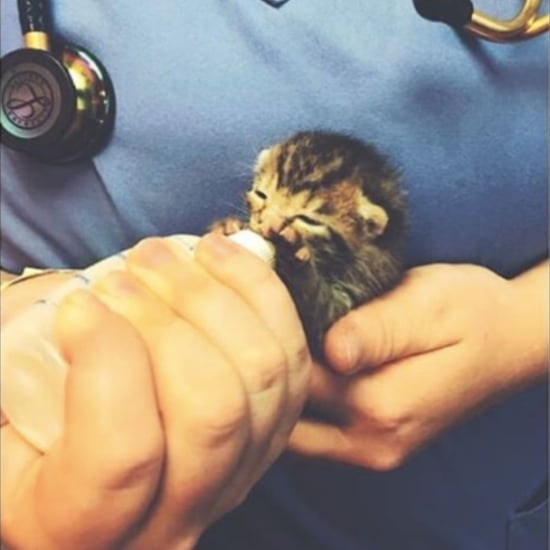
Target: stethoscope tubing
526, 24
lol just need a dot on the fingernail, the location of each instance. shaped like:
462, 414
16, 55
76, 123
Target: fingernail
80, 299
343, 351
117, 283
80, 309
218, 245
152, 253
351, 356
79, 317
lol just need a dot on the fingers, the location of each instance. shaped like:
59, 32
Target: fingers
345, 444
202, 325
202, 399
328, 393
391, 412
106, 465
202, 352
201, 396
410, 319
320, 440
258, 285
223, 318
263, 291
432, 337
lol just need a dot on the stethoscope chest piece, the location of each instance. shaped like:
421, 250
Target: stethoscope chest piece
56, 106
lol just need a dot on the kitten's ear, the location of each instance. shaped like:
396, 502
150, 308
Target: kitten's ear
375, 216
262, 158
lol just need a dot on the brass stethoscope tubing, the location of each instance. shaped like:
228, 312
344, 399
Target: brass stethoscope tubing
526, 24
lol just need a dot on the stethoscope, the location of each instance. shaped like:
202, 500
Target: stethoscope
58, 102
461, 14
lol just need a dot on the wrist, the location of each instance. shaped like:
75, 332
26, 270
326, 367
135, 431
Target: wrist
531, 325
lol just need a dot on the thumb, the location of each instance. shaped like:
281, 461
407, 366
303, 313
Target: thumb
107, 463
109, 394
408, 320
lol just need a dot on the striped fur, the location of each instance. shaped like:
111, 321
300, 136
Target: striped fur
334, 209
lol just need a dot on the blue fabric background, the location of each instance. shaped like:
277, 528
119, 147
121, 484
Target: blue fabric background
202, 86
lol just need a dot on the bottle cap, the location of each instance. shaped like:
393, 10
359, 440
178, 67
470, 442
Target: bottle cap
256, 244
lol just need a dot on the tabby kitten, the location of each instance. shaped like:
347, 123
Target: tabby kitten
333, 208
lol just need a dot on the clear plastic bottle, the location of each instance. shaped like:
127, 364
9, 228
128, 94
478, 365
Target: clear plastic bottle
33, 371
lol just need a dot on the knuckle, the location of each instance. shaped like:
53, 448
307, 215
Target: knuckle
219, 418
300, 356
387, 420
300, 372
301, 353
390, 430
384, 412
388, 458
129, 462
262, 367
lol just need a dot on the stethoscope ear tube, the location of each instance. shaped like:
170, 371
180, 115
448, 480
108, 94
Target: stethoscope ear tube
462, 14
33, 16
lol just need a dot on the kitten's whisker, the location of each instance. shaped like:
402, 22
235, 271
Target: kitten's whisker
236, 207
245, 165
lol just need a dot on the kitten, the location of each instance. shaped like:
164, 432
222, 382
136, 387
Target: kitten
333, 208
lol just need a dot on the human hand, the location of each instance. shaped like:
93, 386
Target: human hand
180, 394
446, 342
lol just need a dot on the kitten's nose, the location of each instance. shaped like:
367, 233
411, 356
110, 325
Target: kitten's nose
272, 224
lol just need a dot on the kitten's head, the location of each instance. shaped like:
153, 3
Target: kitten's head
325, 186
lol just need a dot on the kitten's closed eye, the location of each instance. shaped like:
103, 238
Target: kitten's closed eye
308, 220
260, 194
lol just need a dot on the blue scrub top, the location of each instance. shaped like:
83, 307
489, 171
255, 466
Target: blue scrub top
204, 85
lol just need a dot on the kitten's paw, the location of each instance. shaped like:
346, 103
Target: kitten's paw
290, 235
295, 244
303, 254
228, 226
